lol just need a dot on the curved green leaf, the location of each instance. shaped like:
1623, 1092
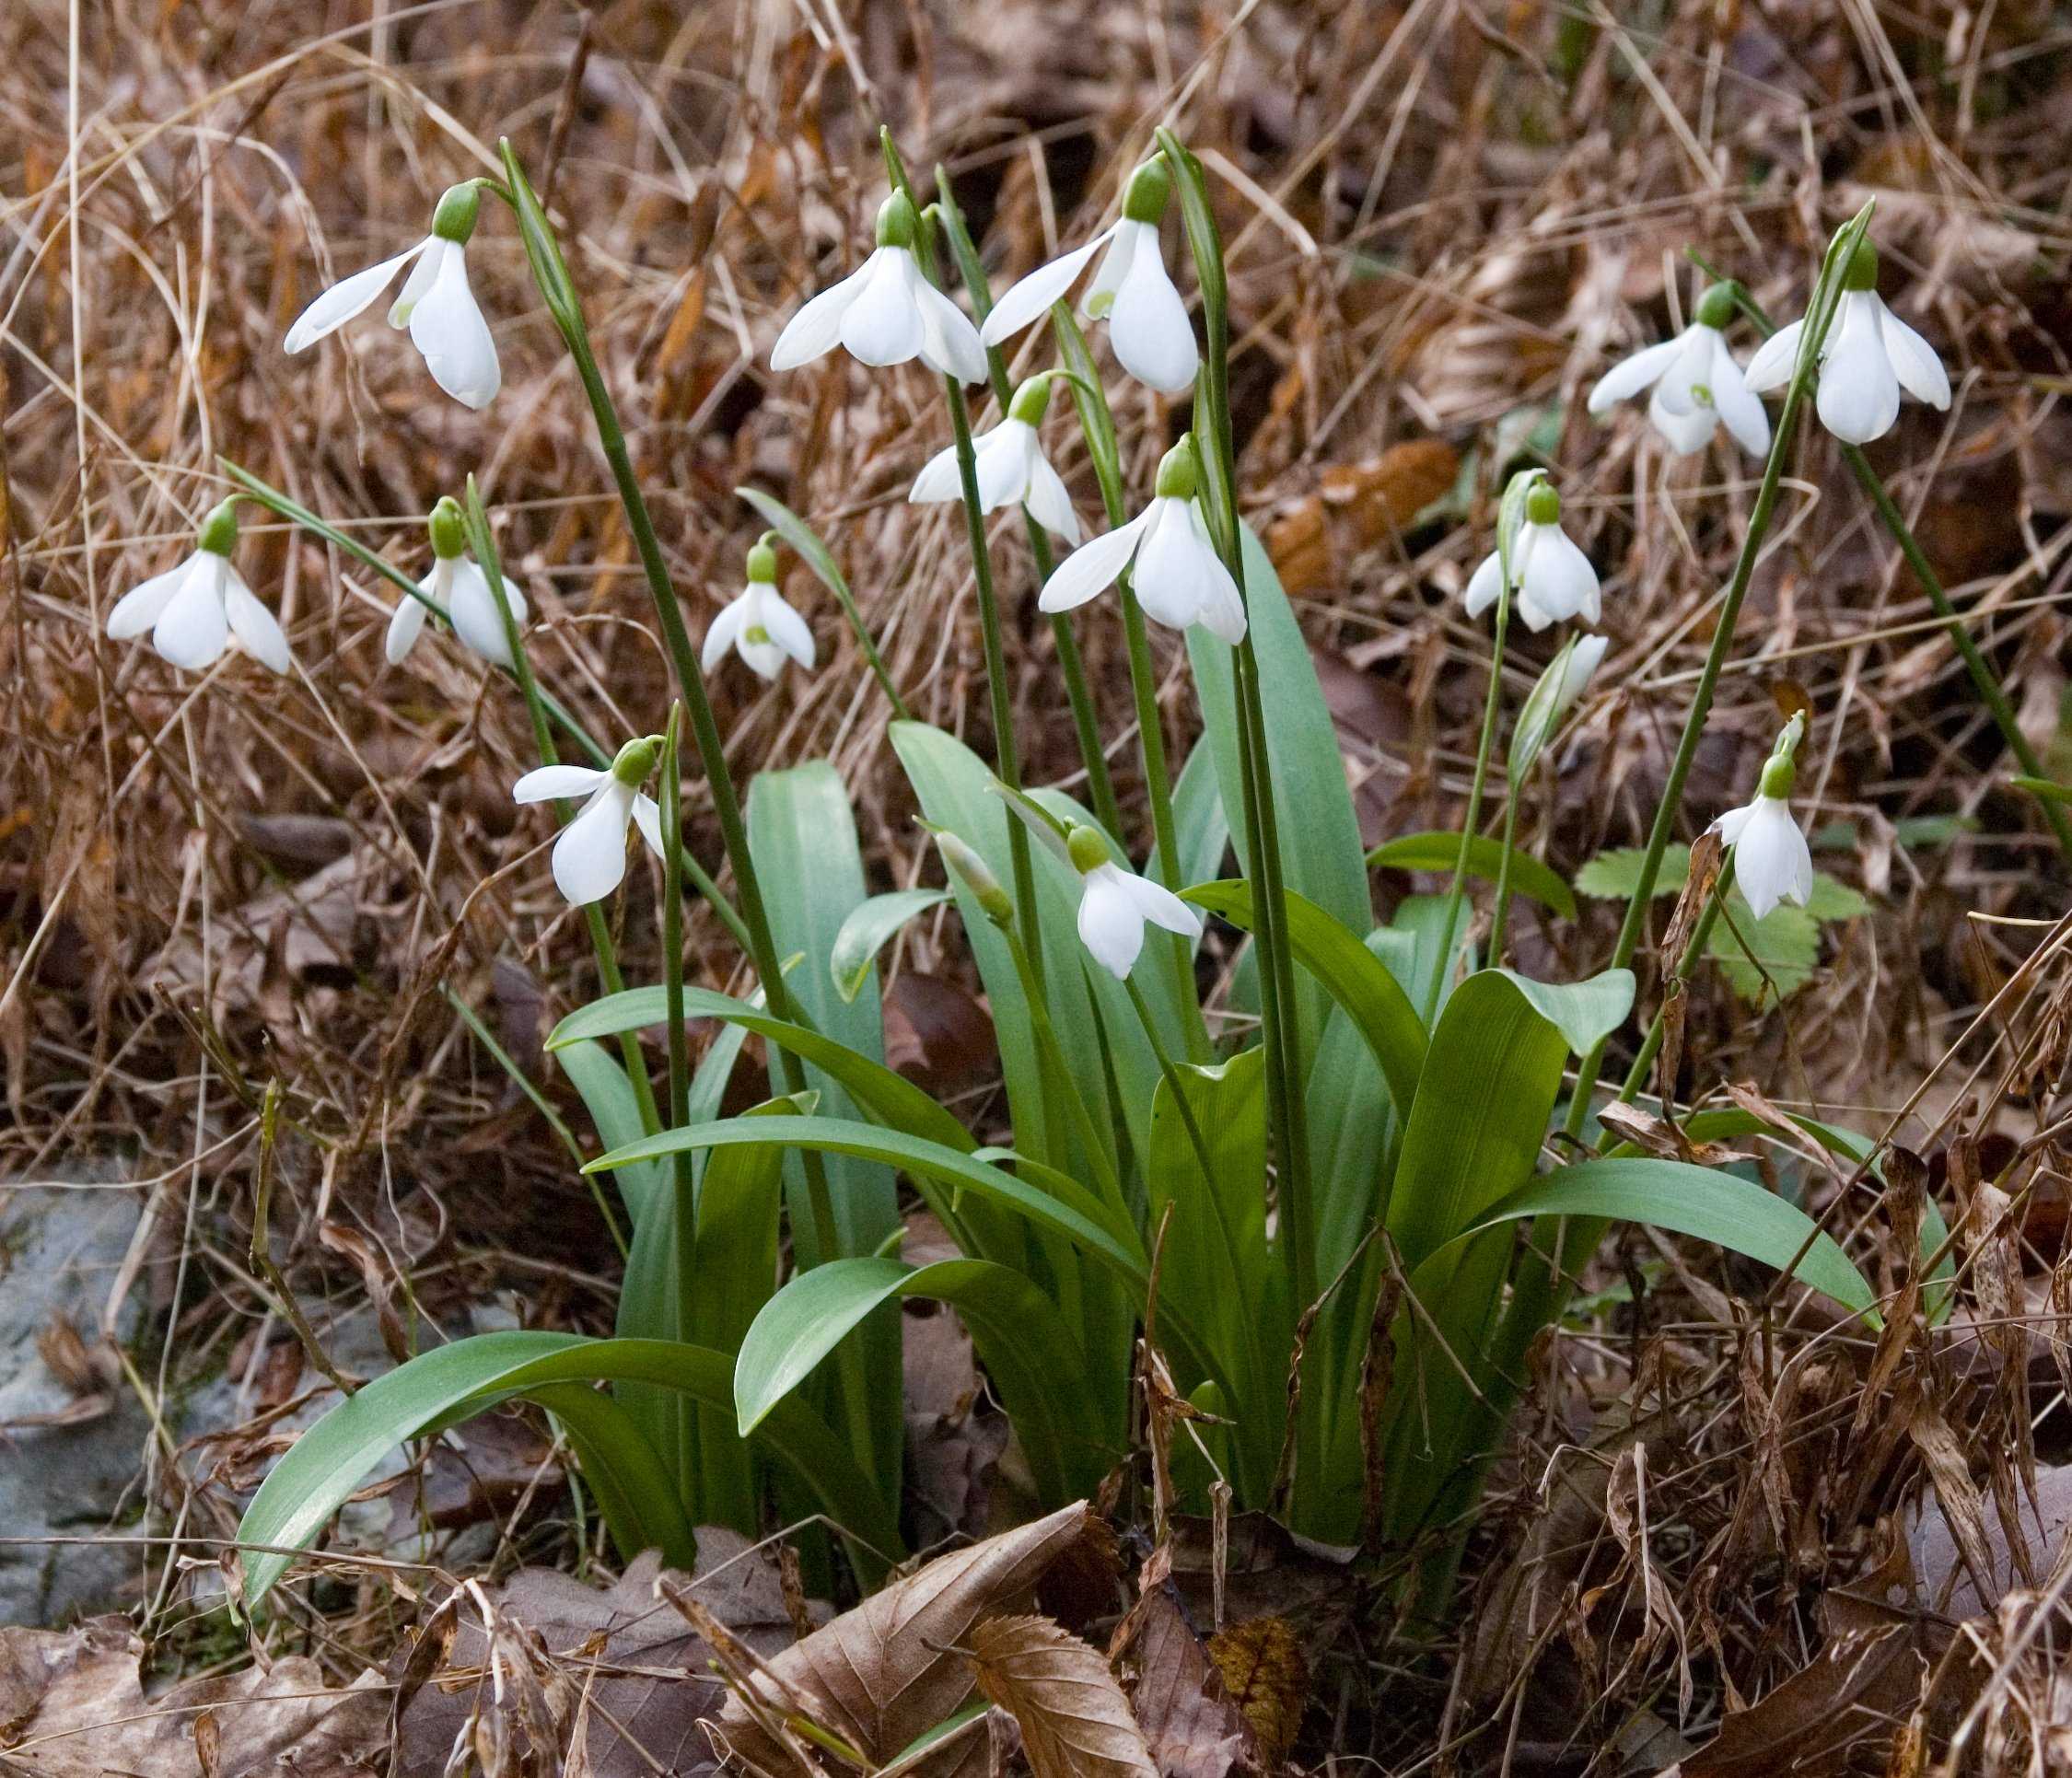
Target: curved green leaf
1441, 851
1354, 977
863, 934
1581, 1011
608, 1096
321, 1468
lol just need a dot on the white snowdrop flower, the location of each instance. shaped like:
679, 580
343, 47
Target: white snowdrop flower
1011, 467
1177, 575
1551, 578
1551, 699
1585, 657
1868, 357
457, 587
1148, 322
201, 608
436, 305
1114, 903
590, 855
1772, 862
1698, 384
758, 624
886, 311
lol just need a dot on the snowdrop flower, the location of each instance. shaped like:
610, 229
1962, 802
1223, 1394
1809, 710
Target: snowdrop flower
1147, 320
1696, 382
1772, 863
1178, 576
198, 609
963, 863
1551, 699
457, 587
590, 855
758, 624
886, 311
1551, 577
1868, 357
1114, 903
436, 305
1011, 466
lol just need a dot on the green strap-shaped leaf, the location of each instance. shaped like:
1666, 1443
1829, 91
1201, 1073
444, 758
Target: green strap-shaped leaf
320, 1470
1354, 977
1581, 1011
1485, 859
608, 1096
634, 1487
864, 933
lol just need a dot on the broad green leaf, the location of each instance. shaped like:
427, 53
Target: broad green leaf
863, 934
1785, 943
1415, 947
1581, 1011
1198, 820
1352, 975
608, 1096
440, 1387
1442, 852
1834, 900
1702, 1202
637, 1489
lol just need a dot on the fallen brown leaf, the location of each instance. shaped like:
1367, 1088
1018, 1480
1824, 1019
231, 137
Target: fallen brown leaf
1190, 1725
1075, 1721
1267, 1679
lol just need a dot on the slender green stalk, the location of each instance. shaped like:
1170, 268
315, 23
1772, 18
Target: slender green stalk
1500, 918
1470, 822
683, 1177
1047, 1039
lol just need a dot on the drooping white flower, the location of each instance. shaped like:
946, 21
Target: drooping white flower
886, 311
758, 624
1551, 699
1696, 382
1011, 466
457, 587
1772, 861
1868, 357
1552, 580
1177, 575
1114, 903
1148, 322
590, 856
198, 609
436, 305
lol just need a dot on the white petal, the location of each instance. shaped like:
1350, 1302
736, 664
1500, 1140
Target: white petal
1094, 565
1630, 375
476, 618
258, 631
434, 254
1110, 924
1775, 359
548, 784
722, 631
193, 629
1484, 585
1171, 577
590, 855
1859, 395
883, 326
1741, 411
1002, 463
1558, 576
1032, 297
1148, 328
448, 328
1730, 825
143, 606
1686, 432
1161, 906
1584, 659
1122, 242
1050, 501
950, 344
1914, 361
941, 479
786, 627
406, 623
1223, 606
344, 300
1685, 384
817, 326
647, 818
1772, 862
765, 656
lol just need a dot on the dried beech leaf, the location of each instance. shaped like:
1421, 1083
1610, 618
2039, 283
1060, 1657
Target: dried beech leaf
1075, 1721
1190, 1725
1263, 1669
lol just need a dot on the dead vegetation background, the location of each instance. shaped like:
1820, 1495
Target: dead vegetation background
1445, 218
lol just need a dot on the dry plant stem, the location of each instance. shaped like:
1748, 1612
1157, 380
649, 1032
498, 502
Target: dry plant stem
1701, 934
1471, 820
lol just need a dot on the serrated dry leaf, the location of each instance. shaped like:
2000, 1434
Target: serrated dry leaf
1263, 1669
1075, 1721
1190, 1725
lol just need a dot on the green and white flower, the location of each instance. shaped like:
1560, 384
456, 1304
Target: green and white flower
590, 856
201, 608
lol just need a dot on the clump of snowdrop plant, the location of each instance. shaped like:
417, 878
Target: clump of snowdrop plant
1772, 861
1011, 467
1552, 580
758, 623
1115, 903
1698, 385
590, 856
459, 590
1868, 357
886, 311
196, 610
436, 304
1174, 570
1131, 290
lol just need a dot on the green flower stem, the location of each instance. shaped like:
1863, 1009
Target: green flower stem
1472, 822
1500, 918
483, 543
1100, 782
683, 1175
1088, 1132
563, 718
